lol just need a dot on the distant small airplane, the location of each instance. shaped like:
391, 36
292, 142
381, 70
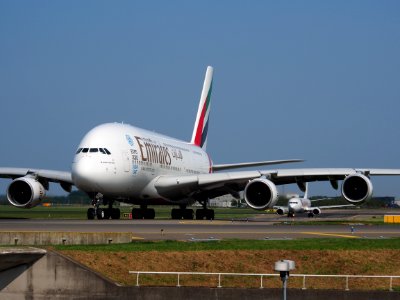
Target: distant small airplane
303, 205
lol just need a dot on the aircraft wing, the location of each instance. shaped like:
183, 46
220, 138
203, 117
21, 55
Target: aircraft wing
216, 184
333, 206
64, 178
301, 176
253, 164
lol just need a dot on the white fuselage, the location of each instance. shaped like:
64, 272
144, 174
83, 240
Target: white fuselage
298, 205
121, 161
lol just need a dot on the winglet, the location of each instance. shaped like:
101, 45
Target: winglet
200, 130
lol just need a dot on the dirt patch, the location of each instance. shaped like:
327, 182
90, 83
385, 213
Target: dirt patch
116, 265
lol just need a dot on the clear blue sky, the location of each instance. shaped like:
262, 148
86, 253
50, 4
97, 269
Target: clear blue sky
318, 80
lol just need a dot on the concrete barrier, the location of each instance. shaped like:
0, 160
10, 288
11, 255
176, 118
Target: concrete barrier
15, 261
60, 238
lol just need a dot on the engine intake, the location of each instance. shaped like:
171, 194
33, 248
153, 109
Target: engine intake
25, 192
260, 194
282, 211
316, 211
357, 189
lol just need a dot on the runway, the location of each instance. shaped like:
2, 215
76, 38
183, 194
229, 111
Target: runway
202, 230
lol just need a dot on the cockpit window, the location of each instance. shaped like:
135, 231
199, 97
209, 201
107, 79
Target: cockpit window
93, 150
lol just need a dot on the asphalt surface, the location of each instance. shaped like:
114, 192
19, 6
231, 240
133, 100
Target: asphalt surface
262, 227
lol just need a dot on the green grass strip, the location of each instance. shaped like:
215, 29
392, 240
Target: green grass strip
300, 244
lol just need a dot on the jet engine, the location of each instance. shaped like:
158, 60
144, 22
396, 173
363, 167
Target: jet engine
357, 188
282, 211
260, 194
316, 211
25, 192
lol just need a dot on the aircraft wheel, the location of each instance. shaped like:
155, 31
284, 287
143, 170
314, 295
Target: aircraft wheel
210, 214
115, 213
200, 214
107, 213
176, 214
137, 214
100, 214
90, 214
188, 214
149, 214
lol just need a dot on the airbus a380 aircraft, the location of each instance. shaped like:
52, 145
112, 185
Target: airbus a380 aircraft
120, 162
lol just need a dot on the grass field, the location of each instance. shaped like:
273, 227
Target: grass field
312, 256
300, 244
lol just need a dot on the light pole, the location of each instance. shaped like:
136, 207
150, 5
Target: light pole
284, 267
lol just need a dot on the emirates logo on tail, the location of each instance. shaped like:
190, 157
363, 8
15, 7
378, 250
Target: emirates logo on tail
200, 131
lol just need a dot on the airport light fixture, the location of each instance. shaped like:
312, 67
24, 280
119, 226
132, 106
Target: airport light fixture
284, 267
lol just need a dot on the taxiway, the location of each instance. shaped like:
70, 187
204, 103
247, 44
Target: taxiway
200, 230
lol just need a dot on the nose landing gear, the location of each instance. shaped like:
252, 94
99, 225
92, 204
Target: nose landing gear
97, 212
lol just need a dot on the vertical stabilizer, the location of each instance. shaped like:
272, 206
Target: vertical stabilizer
306, 192
200, 130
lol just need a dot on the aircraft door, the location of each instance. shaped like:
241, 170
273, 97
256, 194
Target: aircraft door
126, 161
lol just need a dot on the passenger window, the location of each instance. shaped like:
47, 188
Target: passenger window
102, 150
94, 150
79, 150
108, 152
85, 150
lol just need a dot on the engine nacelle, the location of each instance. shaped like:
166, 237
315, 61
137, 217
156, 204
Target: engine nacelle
282, 211
260, 194
316, 211
25, 192
357, 188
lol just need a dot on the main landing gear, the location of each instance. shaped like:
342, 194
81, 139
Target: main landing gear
204, 213
182, 213
143, 213
103, 213
188, 214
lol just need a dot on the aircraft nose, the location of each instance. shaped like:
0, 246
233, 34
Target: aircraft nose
293, 206
84, 174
